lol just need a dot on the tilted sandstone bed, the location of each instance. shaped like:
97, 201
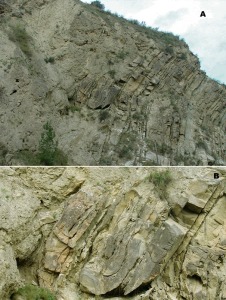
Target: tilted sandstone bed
86, 233
115, 93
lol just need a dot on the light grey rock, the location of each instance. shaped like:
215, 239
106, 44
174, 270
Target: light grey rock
195, 205
172, 99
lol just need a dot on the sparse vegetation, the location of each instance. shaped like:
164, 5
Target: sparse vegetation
49, 154
3, 152
127, 145
31, 292
47, 145
161, 180
103, 115
74, 108
122, 54
169, 50
98, 4
106, 161
162, 148
18, 35
178, 158
164, 38
112, 73
125, 152
138, 116
110, 62
183, 56
27, 158
50, 60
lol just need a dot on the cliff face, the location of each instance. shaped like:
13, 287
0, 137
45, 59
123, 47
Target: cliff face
114, 92
86, 233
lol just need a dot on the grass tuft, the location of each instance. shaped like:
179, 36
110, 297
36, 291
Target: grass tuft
31, 292
161, 180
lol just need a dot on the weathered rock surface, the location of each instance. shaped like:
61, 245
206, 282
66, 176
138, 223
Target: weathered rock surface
114, 92
106, 232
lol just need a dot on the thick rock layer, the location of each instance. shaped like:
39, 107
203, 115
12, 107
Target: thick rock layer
115, 93
109, 232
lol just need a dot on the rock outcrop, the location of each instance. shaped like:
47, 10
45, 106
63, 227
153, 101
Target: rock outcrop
108, 232
115, 93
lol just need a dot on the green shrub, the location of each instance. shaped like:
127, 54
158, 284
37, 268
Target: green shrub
27, 157
164, 149
125, 152
169, 50
134, 21
50, 60
110, 62
106, 161
159, 148
117, 15
138, 116
104, 114
161, 180
112, 73
127, 145
178, 158
31, 292
183, 56
49, 154
74, 108
19, 36
47, 145
164, 38
122, 54
98, 4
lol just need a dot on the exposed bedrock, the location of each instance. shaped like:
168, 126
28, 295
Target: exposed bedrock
115, 93
94, 232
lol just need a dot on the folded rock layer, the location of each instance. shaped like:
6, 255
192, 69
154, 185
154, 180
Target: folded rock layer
115, 93
109, 232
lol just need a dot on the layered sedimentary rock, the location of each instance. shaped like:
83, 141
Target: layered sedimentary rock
115, 93
88, 233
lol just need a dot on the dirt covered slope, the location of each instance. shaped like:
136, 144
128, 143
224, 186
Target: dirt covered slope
114, 92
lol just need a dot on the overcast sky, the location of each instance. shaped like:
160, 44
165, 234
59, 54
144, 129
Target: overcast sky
206, 37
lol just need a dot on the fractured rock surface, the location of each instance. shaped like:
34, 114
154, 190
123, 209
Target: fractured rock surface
108, 232
115, 93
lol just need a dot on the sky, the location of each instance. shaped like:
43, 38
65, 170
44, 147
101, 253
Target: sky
206, 36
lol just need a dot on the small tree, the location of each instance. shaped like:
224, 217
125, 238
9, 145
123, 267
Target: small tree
98, 4
47, 145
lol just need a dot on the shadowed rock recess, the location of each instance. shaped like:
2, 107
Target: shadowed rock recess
102, 233
115, 93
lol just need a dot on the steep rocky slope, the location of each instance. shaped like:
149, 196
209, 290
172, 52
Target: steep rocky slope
114, 92
102, 233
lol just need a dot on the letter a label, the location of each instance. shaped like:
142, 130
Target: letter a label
203, 14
